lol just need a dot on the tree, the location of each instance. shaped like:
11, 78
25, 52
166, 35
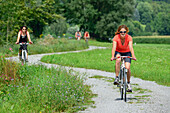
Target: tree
161, 23
136, 15
145, 12
99, 17
33, 13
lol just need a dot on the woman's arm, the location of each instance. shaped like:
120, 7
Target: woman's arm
113, 49
28, 35
131, 49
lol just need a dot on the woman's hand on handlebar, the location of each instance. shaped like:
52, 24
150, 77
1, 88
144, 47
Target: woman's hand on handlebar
113, 58
134, 58
31, 42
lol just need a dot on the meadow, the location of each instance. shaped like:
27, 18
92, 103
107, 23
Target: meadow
152, 61
35, 88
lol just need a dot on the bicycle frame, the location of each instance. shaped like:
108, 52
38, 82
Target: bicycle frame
24, 51
123, 79
123, 76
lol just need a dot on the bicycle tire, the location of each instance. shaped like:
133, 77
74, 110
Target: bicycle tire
125, 84
121, 84
25, 57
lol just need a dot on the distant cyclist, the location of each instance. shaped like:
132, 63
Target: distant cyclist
23, 35
122, 46
86, 36
78, 35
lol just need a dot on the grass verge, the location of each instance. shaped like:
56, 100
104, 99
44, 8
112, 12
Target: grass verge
152, 61
39, 89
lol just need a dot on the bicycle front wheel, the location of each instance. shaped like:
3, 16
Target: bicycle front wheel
125, 83
25, 57
121, 84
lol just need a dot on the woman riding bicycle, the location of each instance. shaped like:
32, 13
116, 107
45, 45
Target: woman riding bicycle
78, 35
23, 34
122, 46
86, 36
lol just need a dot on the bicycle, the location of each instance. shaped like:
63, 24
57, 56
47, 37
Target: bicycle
24, 52
123, 77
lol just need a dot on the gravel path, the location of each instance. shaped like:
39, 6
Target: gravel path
147, 96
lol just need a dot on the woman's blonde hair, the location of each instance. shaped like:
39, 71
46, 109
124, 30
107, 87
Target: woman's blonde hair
120, 27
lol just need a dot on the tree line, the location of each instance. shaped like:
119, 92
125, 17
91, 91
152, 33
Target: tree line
100, 17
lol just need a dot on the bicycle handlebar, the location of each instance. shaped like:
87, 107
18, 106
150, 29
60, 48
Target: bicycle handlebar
23, 43
123, 57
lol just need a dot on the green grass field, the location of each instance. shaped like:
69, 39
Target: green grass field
153, 62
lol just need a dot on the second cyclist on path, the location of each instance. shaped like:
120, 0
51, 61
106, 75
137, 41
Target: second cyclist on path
23, 35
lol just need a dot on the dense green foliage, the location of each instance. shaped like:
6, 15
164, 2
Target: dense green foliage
99, 17
16, 13
154, 15
152, 61
56, 29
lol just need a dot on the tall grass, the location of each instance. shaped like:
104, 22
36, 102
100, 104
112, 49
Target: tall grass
47, 45
34, 88
152, 61
44, 90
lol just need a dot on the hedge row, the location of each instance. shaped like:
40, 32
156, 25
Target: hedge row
152, 40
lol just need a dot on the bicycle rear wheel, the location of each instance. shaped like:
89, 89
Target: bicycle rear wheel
125, 84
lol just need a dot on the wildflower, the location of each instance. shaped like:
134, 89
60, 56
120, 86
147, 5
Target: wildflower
10, 49
64, 34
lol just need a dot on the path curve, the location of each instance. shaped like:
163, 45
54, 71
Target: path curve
108, 99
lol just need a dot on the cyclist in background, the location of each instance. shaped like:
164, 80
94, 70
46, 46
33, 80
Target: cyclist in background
78, 35
86, 36
122, 46
23, 35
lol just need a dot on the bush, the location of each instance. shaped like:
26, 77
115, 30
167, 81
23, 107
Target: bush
72, 30
56, 29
